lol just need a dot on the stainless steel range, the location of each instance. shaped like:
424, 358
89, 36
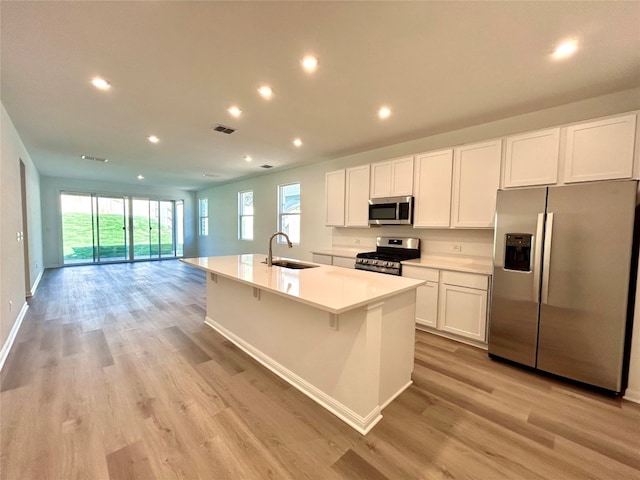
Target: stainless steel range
389, 253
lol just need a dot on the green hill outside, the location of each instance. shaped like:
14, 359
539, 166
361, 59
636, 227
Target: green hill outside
78, 237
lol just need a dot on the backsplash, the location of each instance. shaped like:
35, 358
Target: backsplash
473, 243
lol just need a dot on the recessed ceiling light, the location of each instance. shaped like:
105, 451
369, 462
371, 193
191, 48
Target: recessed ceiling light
247, 158
384, 112
309, 63
235, 111
140, 177
153, 139
100, 83
265, 91
565, 49
297, 142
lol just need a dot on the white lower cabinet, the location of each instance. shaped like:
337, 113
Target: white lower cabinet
451, 302
345, 262
322, 259
463, 305
426, 295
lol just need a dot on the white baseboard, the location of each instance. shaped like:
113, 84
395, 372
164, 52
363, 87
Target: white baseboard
34, 287
632, 395
6, 348
361, 424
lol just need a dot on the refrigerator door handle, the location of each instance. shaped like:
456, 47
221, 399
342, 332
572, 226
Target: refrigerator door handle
537, 259
546, 266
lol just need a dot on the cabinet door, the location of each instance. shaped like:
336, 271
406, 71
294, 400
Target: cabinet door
402, 176
427, 305
432, 187
463, 311
476, 178
426, 295
320, 258
357, 197
381, 179
392, 178
601, 150
532, 159
334, 194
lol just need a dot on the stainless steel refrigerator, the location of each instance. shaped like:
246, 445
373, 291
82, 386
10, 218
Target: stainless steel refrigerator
563, 263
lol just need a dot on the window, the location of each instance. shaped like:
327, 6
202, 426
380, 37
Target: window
245, 212
289, 212
203, 215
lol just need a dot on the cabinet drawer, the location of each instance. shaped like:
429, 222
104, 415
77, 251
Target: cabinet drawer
420, 273
344, 262
469, 280
320, 258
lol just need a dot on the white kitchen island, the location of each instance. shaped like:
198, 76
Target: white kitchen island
343, 337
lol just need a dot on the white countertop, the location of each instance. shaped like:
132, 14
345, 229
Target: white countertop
479, 265
334, 289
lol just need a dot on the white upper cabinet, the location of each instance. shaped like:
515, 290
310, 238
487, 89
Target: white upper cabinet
601, 150
334, 194
476, 178
532, 158
357, 197
432, 189
392, 178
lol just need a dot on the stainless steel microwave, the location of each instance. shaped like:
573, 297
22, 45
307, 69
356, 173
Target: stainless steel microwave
391, 211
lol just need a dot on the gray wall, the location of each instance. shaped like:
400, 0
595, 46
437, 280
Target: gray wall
50, 188
13, 286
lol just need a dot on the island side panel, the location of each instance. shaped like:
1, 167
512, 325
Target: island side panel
398, 345
338, 368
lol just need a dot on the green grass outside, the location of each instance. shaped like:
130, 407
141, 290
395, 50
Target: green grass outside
77, 236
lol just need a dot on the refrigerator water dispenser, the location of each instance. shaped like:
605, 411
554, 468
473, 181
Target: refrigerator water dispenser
517, 255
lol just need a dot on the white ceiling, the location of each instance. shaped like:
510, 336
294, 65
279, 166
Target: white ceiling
176, 67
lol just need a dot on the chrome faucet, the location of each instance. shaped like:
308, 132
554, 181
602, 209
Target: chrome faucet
270, 257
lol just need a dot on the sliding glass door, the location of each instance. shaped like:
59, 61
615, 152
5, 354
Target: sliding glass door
101, 228
78, 228
111, 227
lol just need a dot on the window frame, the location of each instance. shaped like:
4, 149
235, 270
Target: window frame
280, 239
242, 215
203, 220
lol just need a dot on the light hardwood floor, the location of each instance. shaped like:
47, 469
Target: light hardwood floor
114, 376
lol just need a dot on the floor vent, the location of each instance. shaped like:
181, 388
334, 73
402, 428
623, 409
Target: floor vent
266, 166
223, 129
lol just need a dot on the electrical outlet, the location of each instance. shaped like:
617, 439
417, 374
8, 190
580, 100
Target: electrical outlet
456, 247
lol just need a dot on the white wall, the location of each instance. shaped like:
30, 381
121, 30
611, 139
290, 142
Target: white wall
50, 188
12, 267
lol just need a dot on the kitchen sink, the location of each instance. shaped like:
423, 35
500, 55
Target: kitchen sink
290, 264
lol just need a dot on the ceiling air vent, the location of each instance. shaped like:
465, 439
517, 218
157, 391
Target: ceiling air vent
266, 166
95, 159
223, 129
